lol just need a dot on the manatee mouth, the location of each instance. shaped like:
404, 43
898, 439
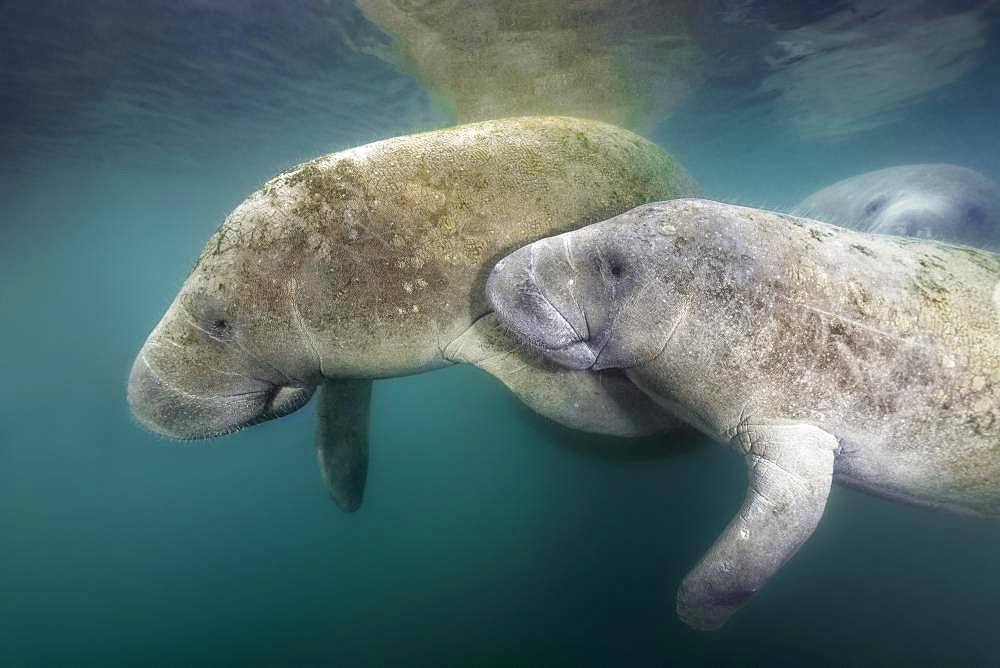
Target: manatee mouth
174, 413
539, 325
284, 400
579, 355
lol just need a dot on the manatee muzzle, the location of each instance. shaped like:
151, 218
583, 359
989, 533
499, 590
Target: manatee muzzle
540, 311
170, 411
923, 218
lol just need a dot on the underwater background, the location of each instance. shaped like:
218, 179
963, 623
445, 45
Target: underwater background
488, 536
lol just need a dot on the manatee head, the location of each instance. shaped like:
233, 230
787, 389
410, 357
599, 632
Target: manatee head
591, 298
231, 350
925, 215
940, 202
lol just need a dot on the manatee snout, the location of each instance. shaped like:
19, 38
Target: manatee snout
538, 295
172, 412
922, 218
189, 381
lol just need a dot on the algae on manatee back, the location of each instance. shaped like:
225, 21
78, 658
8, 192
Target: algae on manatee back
372, 262
404, 229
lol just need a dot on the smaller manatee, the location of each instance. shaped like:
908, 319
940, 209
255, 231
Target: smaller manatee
817, 353
941, 202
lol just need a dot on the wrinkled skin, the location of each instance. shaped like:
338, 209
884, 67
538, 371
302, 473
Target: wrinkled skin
227, 354
940, 202
370, 263
818, 353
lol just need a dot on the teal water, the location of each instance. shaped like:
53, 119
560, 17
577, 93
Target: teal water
489, 537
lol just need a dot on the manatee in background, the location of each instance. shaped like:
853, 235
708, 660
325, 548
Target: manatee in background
371, 263
627, 62
942, 202
632, 62
817, 353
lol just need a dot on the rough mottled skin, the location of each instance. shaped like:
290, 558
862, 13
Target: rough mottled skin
387, 239
815, 351
940, 202
371, 262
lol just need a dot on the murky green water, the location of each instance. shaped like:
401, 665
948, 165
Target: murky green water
489, 536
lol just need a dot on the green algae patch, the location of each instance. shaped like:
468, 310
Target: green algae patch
389, 243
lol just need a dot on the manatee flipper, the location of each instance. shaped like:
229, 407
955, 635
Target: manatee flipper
604, 402
342, 439
790, 469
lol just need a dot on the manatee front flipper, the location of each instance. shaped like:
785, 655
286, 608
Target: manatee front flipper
342, 439
600, 402
790, 469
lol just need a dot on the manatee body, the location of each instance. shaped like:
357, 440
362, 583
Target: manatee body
940, 202
371, 263
818, 353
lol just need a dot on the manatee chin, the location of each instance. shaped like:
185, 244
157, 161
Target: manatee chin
173, 413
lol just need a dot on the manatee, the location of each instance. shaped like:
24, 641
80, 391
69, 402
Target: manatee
816, 352
371, 263
629, 63
940, 202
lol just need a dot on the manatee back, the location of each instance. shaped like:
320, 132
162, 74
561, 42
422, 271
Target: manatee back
889, 343
390, 243
881, 335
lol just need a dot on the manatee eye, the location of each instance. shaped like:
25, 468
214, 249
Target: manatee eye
220, 328
874, 206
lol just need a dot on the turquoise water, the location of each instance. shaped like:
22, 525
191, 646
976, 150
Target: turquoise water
488, 536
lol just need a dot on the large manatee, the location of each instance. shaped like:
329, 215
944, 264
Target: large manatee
371, 263
817, 353
941, 202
